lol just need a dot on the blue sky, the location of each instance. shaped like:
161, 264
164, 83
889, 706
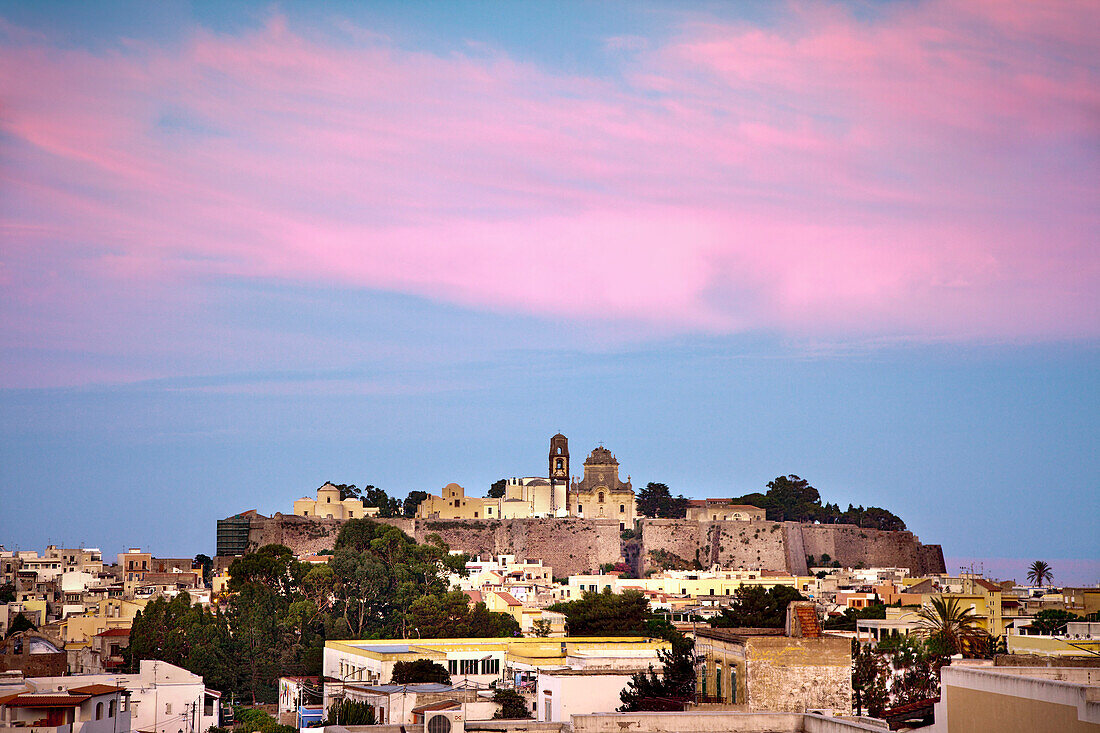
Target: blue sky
247, 248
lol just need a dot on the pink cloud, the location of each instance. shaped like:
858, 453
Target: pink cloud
928, 173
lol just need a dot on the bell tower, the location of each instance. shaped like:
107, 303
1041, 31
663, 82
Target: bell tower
559, 473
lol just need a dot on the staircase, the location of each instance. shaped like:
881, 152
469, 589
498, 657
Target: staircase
807, 622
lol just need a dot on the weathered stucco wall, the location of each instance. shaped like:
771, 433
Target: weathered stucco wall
582, 545
794, 675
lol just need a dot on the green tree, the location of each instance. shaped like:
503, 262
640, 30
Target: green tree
206, 564
869, 673
606, 614
670, 690
1053, 621
847, 620
449, 616
348, 491
946, 624
497, 489
7, 593
512, 705
656, 500
541, 628
420, 670
387, 506
381, 571
351, 712
1039, 573
754, 606
412, 502
791, 498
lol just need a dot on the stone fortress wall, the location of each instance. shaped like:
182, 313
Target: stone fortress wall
573, 545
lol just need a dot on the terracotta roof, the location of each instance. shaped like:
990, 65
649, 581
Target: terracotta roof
508, 598
986, 584
474, 596
96, 689
32, 700
114, 632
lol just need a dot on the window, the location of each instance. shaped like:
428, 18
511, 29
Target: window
622, 508
703, 677
733, 684
718, 680
580, 509
601, 497
489, 510
475, 515
111, 709
560, 464
328, 499
452, 666
99, 711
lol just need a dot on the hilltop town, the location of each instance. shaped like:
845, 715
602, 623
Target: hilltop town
573, 601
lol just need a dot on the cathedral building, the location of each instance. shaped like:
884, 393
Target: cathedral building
600, 494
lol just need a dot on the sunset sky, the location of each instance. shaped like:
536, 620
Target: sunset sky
249, 247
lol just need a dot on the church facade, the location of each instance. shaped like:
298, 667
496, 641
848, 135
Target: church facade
599, 494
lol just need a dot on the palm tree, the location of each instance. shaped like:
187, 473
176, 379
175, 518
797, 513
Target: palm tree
1040, 572
943, 620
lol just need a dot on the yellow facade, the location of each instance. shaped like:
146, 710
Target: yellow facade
452, 503
112, 613
329, 505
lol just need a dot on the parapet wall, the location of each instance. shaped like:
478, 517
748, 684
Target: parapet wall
573, 545
783, 545
569, 546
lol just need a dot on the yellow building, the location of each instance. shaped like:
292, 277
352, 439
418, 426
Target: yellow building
483, 661
689, 583
723, 510
452, 503
329, 505
112, 613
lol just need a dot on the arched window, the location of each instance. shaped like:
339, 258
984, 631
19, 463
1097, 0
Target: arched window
718, 680
111, 709
601, 497
622, 508
560, 464
733, 684
99, 711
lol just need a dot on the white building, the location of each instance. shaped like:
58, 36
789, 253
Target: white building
164, 698
81, 708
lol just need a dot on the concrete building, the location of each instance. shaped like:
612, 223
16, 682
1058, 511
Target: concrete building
723, 510
504, 661
329, 505
163, 698
1033, 699
769, 670
80, 708
452, 503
